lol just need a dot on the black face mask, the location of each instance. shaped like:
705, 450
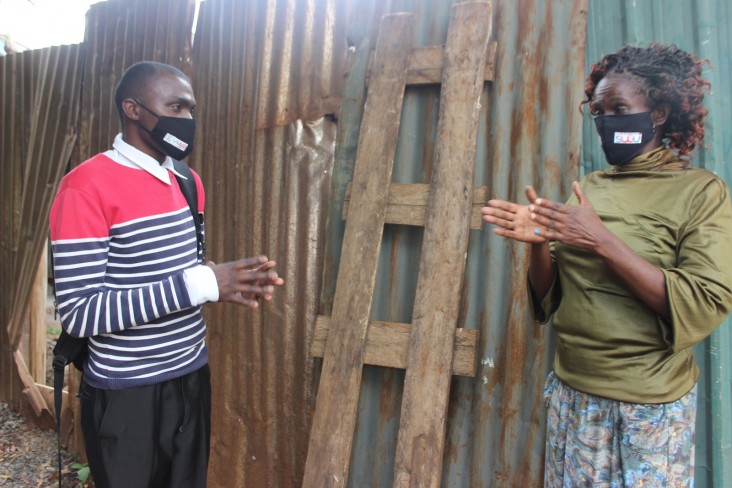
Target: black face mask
624, 136
174, 136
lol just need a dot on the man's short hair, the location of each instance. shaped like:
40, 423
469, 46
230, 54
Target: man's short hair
137, 79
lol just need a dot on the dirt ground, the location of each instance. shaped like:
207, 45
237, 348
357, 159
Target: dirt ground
28, 455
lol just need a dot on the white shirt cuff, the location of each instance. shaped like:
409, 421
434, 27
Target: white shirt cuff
201, 284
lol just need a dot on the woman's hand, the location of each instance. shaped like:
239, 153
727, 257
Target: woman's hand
579, 227
514, 220
582, 228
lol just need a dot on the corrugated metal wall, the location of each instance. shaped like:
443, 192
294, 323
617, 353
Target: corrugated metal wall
38, 117
259, 69
702, 28
530, 133
265, 73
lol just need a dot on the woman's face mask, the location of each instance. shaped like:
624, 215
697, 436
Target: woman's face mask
623, 137
174, 136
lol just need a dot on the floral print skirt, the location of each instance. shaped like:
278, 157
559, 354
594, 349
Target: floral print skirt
594, 441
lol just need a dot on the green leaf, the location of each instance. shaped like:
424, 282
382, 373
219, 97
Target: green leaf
83, 474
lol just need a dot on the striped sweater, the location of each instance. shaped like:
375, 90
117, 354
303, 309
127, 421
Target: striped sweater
120, 241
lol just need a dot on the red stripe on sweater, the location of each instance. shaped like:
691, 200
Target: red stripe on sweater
100, 193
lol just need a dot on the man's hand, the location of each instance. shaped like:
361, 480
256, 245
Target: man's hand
265, 268
246, 281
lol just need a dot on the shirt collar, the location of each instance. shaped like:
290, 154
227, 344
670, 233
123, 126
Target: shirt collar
659, 159
127, 155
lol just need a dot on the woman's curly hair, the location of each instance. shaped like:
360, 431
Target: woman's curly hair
667, 75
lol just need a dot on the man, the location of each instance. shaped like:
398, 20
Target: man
129, 277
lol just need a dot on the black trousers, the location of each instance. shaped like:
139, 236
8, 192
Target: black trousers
152, 436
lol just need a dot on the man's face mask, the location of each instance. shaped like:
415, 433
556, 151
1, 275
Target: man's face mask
174, 136
624, 136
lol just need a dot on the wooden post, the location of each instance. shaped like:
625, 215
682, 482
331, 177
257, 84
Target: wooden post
421, 436
37, 321
387, 344
334, 421
408, 204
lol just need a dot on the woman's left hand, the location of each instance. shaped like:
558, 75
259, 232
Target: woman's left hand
579, 227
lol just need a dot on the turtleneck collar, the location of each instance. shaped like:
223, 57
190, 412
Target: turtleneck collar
659, 159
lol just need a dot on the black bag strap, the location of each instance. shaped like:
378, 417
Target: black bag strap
58, 386
59, 366
67, 350
188, 187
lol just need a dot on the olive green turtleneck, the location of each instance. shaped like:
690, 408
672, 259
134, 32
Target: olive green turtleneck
609, 343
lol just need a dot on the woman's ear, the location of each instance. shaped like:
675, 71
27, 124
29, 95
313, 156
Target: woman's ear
659, 115
131, 109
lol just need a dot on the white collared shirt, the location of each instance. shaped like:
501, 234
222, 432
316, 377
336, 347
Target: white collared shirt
200, 280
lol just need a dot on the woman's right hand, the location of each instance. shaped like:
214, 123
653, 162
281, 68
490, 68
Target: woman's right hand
513, 220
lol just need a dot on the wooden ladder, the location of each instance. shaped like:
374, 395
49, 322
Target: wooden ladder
432, 348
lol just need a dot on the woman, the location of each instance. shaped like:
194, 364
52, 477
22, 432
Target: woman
636, 269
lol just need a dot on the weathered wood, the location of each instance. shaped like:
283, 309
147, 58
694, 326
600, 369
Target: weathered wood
421, 437
37, 410
71, 416
426, 64
47, 394
52, 138
67, 415
387, 344
334, 420
37, 322
408, 204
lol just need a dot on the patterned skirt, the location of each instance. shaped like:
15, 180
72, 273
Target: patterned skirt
594, 441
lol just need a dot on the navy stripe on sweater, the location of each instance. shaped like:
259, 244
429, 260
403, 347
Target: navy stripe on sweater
128, 294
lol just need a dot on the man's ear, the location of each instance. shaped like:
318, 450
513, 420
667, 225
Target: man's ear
131, 109
659, 115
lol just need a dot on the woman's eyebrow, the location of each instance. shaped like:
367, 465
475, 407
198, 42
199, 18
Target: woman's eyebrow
617, 98
613, 100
